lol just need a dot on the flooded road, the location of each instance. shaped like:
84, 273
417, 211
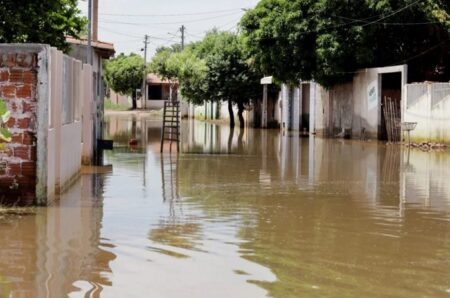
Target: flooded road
238, 214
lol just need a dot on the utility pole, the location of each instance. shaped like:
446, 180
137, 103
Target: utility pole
144, 81
182, 29
89, 48
95, 20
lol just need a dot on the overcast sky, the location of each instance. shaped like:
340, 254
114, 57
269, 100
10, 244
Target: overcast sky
125, 22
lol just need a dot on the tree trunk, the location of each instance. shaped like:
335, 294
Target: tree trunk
241, 141
133, 100
230, 139
241, 117
230, 110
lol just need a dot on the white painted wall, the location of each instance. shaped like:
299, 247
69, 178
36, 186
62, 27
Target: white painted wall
345, 106
428, 104
70, 123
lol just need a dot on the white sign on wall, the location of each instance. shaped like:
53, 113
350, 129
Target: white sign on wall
267, 81
372, 95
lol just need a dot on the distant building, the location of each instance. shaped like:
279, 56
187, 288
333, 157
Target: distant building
158, 91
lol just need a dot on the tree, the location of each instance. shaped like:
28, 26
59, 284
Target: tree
37, 21
331, 39
124, 74
215, 69
231, 76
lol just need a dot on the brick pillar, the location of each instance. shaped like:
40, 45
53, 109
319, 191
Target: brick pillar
18, 81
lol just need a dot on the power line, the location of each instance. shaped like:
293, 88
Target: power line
392, 14
134, 36
119, 33
165, 23
175, 15
404, 60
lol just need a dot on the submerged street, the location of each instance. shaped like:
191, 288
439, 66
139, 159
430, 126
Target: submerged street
238, 214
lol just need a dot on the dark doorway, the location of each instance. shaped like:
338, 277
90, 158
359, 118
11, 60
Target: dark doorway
391, 91
304, 117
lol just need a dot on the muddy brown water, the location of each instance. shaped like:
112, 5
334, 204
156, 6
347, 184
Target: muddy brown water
238, 214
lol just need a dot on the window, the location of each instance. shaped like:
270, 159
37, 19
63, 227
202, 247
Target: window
155, 92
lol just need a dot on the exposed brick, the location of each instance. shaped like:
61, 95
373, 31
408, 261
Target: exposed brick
14, 169
22, 152
33, 153
16, 76
29, 77
11, 122
5, 183
17, 138
7, 151
4, 76
28, 139
7, 60
25, 91
29, 107
23, 123
24, 59
8, 91
26, 182
29, 169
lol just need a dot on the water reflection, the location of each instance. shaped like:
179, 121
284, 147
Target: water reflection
58, 250
330, 216
240, 213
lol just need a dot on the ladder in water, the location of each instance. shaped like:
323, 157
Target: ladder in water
171, 124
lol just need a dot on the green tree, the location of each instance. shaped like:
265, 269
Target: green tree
329, 40
215, 69
231, 76
37, 21
124, 74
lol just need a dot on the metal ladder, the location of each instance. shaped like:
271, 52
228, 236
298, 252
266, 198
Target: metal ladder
171, 124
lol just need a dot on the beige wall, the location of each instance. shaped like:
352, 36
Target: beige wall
70, 126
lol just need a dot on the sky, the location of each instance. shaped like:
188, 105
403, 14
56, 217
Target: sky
125, 22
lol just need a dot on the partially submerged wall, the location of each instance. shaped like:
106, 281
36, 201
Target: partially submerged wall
356, 106
50, 97
20, 81
428, 105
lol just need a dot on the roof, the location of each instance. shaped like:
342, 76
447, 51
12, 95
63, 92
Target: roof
105, 49
156, 80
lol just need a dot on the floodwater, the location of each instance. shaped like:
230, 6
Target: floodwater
242, 214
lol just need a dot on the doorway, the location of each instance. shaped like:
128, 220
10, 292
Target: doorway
391, 95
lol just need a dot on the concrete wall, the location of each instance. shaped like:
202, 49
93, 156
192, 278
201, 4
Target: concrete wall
351, 106
428, 104
51, 99
119, 99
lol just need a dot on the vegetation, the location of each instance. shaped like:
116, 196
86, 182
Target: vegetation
214, 70
328, 40
124, 75
37, 21
110, 106
5, 134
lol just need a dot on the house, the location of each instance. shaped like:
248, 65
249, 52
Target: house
101, 51
158, 91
